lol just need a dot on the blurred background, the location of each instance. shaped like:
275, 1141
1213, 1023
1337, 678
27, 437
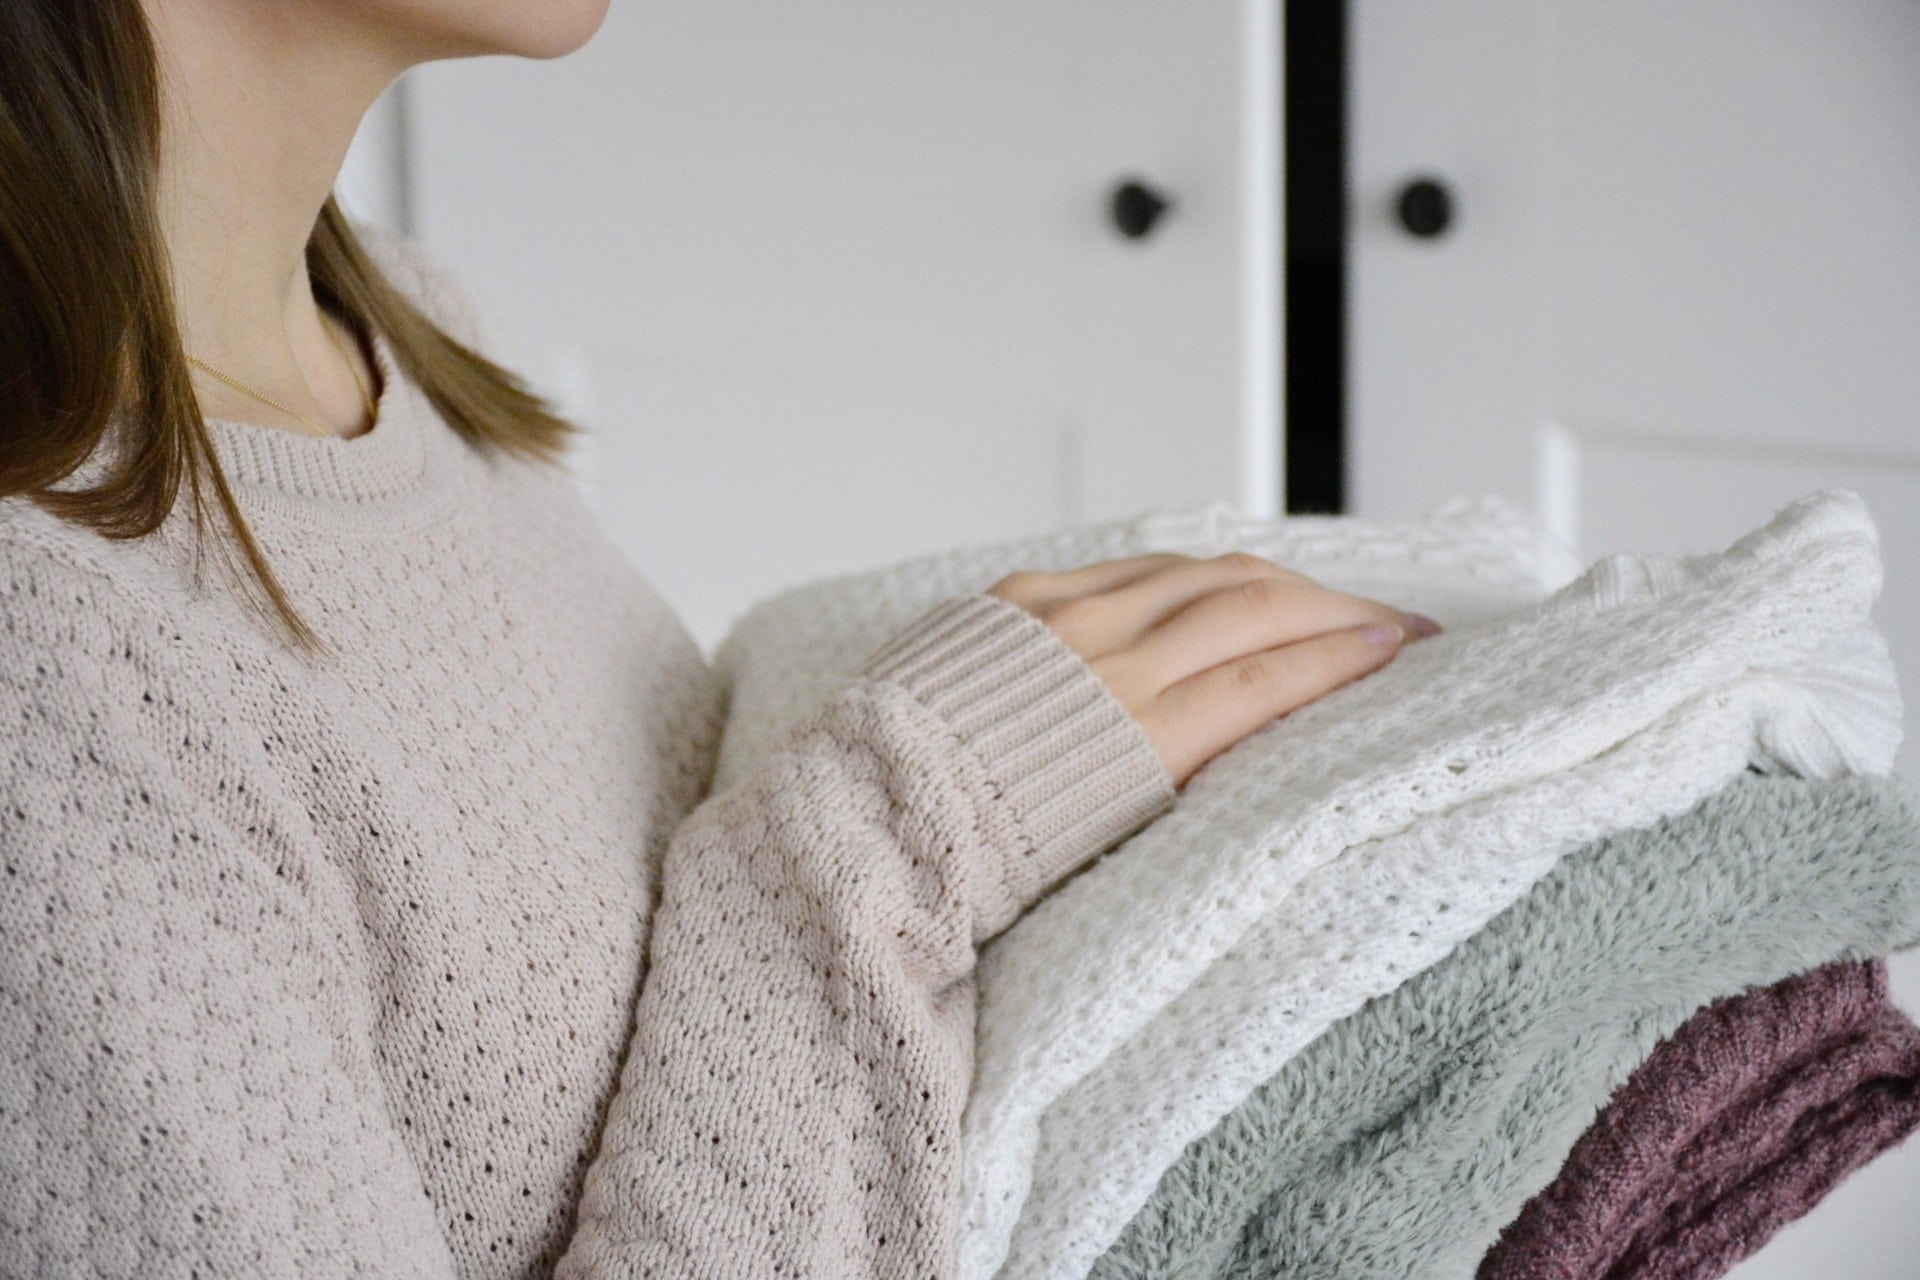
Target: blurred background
841, 282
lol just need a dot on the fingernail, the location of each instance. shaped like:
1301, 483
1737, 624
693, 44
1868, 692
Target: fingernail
1381, 633
1421, 625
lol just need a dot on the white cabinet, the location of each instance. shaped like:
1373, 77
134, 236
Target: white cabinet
1682, 286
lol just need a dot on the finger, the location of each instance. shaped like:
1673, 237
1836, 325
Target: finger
1255, 615
1107, 622
1036, 589
1216, 708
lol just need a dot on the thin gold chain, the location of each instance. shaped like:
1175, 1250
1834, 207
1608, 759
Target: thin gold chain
353, 367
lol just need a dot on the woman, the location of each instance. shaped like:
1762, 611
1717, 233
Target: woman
364, 909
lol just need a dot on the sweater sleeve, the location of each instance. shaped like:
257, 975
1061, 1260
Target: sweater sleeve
792, 1096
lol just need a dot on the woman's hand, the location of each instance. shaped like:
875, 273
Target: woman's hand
1203, 652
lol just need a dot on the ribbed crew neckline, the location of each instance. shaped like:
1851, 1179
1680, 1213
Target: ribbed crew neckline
410, 464
409, 471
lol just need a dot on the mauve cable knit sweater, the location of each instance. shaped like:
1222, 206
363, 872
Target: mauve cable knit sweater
435, 958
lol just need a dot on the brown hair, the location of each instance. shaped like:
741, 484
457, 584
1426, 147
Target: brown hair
87, 324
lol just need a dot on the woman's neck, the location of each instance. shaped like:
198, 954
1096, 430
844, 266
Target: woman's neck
260, 102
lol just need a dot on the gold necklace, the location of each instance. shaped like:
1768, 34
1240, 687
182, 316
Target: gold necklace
366, 395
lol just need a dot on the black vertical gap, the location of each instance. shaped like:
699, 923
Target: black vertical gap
1316, 257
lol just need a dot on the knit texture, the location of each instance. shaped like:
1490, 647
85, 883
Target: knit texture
1351, 844
1472, 559
1402, 1141
1739, 1123
353, 965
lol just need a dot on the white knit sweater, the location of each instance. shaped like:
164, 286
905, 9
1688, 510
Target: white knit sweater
1351, 844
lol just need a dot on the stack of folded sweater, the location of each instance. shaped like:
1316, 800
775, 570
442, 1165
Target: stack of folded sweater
1349, 1007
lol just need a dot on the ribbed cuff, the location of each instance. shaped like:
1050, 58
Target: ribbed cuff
1068, 758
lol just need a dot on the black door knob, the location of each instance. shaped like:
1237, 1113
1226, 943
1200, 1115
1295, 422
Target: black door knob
1425, 207
1136, 207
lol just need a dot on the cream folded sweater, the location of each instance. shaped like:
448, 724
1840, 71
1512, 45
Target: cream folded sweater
439, 958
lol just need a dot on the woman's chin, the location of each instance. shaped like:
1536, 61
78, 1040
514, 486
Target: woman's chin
526, 28
561, 26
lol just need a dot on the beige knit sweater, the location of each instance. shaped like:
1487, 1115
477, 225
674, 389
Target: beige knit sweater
435, 958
